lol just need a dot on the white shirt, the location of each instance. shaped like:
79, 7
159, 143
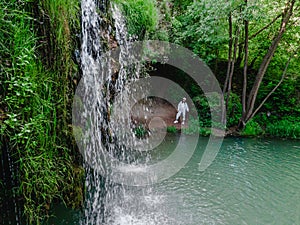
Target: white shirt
182, 107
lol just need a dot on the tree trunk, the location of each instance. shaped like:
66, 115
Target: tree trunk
229, 63
281, 80
246, 53
232, 66
249, 112
229, 53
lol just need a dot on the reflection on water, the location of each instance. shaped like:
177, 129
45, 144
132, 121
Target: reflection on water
251, 181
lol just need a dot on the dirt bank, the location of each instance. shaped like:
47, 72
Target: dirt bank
156, 112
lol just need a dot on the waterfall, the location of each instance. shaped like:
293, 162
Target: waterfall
91, 51
119, 167
103, 79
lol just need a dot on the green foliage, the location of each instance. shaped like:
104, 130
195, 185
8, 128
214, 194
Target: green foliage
196, 127
181, 5
234, 110
164, 21
203, 110
171, 129
284, 101
252, 129
205, 131
34, 100
140, 131
64, 20
193, 127
201, 28
205, 104
284, 128
141, 16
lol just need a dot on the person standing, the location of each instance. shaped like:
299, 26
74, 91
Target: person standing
182, 108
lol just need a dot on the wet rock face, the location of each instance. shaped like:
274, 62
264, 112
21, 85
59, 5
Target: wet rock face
102, 5
146, 110
100, 29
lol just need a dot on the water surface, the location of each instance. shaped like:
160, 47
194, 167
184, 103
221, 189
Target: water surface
252, 181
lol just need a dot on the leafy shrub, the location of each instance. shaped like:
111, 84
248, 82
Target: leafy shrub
203, 110
252, 129
204, 131
171, 129
284, 128
285, 100
206, 103
140, 131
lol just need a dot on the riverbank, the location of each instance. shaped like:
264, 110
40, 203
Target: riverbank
144, 111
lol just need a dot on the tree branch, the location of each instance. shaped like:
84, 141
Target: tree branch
288, 11
265, 27
274, 89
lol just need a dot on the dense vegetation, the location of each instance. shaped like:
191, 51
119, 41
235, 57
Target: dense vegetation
36, 92
252, 47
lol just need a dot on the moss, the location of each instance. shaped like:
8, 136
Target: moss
76, 194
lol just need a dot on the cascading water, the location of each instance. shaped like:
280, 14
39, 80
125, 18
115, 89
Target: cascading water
118, 164
91, 50
102, 80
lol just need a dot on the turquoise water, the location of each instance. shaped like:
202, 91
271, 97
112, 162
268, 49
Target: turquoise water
252, 181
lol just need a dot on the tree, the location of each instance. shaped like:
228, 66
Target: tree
255, 31
249, 109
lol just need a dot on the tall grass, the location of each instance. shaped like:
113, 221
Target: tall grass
35, 101
62, 17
